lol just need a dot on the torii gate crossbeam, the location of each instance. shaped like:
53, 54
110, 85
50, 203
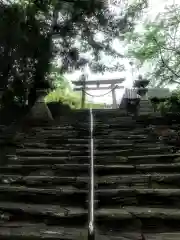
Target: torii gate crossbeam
82, 85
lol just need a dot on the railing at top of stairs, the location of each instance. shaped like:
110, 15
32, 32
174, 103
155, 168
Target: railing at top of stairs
91, 227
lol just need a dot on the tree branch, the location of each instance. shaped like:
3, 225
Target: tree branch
165, 64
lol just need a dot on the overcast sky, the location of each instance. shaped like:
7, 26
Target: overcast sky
155, 6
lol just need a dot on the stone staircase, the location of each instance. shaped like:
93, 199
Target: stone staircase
139, 185
44, 185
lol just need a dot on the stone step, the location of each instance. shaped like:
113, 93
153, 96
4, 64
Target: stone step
151, 180
76, 145
135, 146
122, 140
81, 134
65, 154
100, 169
37, 231
105, 197
51, 152
22, 211
118, 125
110, 137
101, 157
163, 235
59, 140
47, 159
60, 132
141, 121
163, 198
26, 231
56, 137
100, 144
77, 182
119, 136
62, 195
132, 151
140, 159
59, 146
40, 212
126, 140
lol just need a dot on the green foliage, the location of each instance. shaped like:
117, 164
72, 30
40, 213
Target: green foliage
171, 104
31, 38
146, 48
156, 48
69, 97
63, 92
23, 62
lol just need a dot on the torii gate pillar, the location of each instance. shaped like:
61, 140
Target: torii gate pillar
114, 105
82, 84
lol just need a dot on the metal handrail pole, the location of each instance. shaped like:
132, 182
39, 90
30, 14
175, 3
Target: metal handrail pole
91, 229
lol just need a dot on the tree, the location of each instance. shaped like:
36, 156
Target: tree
33, 36
157, 47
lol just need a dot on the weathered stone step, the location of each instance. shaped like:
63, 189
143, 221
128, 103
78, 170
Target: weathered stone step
26, 231
136, 147
17, 210
51, 152
122, 131
35, 231
105, 197
64, 195
138, 197
50, 160
119, 136
119, 126
86, 125
78, 182
39, 212
163, 235
58, 145
100, 169
99, 159
98, 140
125, 140
68, 153
111, 134
61, 132
128, 212
57, 137
153, 116
153, 180
75, 145
63, 140
128, 152
140, 159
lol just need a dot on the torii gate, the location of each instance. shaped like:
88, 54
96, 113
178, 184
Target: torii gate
82, 85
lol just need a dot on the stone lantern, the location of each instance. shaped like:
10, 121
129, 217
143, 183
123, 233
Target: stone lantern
41, 93
141, 87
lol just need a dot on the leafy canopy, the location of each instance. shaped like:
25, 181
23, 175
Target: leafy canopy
156, 48
36, 33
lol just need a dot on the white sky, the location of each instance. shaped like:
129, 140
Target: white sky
155, 6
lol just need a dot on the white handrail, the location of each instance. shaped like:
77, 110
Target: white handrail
91, 230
